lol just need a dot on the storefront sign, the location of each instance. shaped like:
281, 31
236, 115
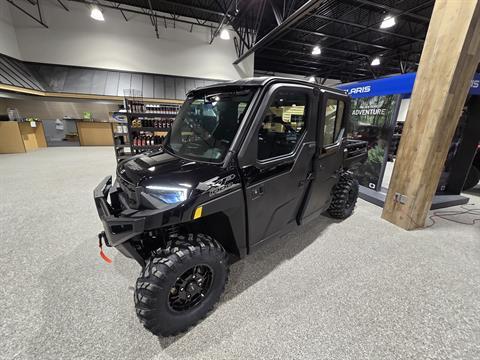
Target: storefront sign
398, 84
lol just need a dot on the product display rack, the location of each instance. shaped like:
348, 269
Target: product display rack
146, 127
121, 142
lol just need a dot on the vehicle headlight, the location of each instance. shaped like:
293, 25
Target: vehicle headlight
168, 194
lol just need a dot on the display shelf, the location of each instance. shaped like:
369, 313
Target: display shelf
146, 115
137, 147
154, 114
151, 129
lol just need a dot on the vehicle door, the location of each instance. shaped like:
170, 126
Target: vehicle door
280, 144
328, 160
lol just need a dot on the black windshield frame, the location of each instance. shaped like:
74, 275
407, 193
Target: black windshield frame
212, 118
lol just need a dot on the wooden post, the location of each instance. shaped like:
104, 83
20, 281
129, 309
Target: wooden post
450, 56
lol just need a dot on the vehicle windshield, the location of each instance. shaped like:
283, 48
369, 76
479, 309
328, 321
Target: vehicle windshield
207, 123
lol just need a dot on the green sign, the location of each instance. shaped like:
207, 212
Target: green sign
87, 115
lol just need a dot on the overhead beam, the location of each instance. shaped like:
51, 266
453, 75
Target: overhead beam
38, 20
186, 6
340, 38
396, 11
290, 21
361, 26
286, 63
276, 12
373, 26
323, 57
280, 67
292, 65
153, 18
450, 57
348, 52
134, 11
63, 5
220, 25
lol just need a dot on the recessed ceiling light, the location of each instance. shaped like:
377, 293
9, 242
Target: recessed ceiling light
96, 13
375, 62
388, 22
316, 50
224, 34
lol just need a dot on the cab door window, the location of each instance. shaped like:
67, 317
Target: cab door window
333, 120
283, 124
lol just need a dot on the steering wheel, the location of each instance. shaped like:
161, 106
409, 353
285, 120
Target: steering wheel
191, 145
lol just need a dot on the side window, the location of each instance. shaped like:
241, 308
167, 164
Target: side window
333, 120
283, 124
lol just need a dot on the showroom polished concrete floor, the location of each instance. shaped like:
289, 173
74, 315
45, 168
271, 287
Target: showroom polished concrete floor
357, 289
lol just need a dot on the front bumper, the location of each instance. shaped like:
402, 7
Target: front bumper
118, 229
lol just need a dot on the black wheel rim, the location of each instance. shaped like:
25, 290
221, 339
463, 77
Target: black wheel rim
351, 198
190, 288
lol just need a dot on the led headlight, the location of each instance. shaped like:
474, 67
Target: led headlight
168, 194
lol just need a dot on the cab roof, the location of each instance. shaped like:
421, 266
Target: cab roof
267, 80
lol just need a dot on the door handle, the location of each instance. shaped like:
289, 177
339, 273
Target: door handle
257, 192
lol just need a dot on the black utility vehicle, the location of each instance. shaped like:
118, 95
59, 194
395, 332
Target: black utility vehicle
243, 162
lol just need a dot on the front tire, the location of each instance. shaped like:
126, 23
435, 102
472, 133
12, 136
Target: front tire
344, 197
176, 289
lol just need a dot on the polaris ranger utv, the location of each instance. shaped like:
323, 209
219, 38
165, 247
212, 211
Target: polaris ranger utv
243, 162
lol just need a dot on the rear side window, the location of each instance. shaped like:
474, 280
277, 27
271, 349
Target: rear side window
283, 124
333, 120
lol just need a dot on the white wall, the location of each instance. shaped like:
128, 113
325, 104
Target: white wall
73, 38
8, 39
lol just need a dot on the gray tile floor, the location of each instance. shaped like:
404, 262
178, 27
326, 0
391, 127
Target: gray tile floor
357, 289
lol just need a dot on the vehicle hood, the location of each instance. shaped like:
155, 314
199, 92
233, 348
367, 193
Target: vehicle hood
164, 169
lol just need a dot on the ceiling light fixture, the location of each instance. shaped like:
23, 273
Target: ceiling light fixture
375, 62
388, 22
316, 50
224, 34
96, 13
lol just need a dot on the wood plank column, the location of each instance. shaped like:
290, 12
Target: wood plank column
450, 56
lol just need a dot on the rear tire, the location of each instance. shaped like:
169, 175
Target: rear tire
473, 178
177, 288
344, 197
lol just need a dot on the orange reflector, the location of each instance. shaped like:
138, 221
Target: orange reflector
198, 212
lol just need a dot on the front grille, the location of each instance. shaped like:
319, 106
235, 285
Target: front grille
129, 190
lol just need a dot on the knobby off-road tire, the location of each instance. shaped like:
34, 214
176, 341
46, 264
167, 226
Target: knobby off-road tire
344, 197
195, 266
